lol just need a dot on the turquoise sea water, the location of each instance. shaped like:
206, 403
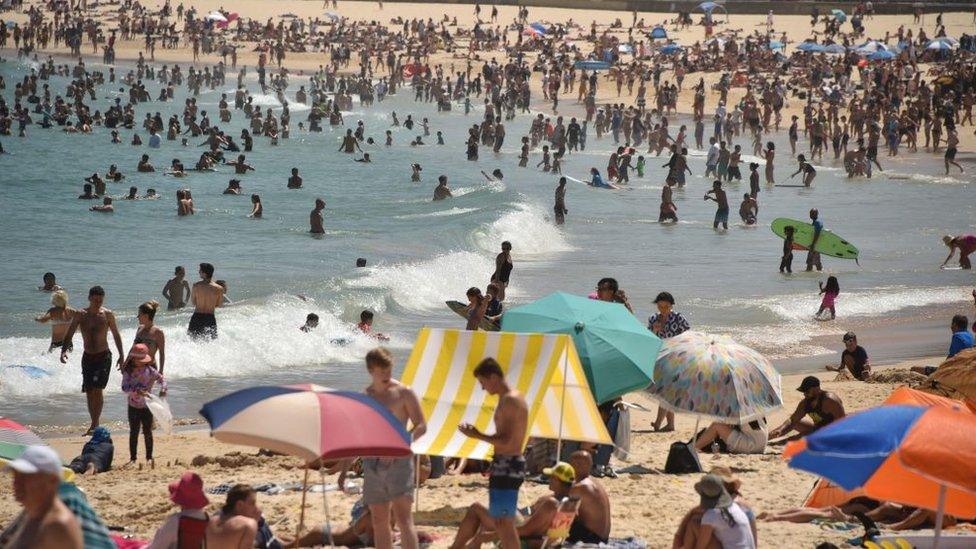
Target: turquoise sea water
421, 253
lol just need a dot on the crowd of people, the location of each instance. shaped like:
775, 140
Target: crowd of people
852, 104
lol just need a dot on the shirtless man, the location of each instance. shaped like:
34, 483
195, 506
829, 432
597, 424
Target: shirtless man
315, 218
349, 143
144, 164
823, 408
669, 210
94, 322
46, 522
206, 296
722, 213
442, 191
592, 522
236, 526
295, 181
177, 290
559, 207
50, 283
508, 465
59, 315
241, 166
388, 484
503, 269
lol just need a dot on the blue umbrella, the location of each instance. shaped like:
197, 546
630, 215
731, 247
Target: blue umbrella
810, 47
591, 65
881, 55
776, 45
835, 48
659, 32
839, 15
707, 6
668, 49
936, 45
539, 27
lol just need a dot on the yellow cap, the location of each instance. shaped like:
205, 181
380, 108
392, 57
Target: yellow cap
562, 471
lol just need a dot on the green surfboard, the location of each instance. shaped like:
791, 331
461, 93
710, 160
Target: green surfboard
828, 244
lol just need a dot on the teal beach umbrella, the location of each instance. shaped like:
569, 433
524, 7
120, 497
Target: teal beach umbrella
616, 350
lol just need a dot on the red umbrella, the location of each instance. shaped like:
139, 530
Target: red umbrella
15, 433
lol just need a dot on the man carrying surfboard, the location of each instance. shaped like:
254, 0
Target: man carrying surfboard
813, 256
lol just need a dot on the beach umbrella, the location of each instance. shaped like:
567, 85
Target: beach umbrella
881, 55
810, 47
839, 15
955, 377
93, 531
616, 350
333, 15
668, 49
10, 451
659, 33
539, 27
15, 433
591, 65
834, 48
938, 45
715, 378
215, 16
625, 48
307, 421
913, 455
776, 45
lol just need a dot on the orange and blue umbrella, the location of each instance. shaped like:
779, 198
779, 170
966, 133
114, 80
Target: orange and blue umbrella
307, 421
916, 456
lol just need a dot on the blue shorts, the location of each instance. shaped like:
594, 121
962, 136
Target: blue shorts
722, 215
503, 503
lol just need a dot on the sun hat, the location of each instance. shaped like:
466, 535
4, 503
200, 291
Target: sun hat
139, 353
188, 491
561, 471
712, 492
37, 459
729, 480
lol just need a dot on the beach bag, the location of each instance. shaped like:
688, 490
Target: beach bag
621, 438
682, 459
161, 412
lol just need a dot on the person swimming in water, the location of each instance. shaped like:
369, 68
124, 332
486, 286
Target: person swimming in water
748, 209
442, 191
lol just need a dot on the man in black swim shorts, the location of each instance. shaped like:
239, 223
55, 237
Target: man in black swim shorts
206, 296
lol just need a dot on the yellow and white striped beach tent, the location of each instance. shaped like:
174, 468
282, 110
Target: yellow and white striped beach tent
543, 367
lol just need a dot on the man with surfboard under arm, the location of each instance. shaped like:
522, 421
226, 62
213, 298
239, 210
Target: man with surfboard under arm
813, 257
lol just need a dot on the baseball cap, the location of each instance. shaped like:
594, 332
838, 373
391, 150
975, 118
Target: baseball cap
37, 459
808, 383
664, 296
849, 336
562, 471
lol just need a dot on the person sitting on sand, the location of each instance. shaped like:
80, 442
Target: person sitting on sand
896, 516
478, 527
749, 438
96, 455
823, 408
690, 526
593, 517
961, 340
239, 523
723, 520
188, 526
46, 521
966, 244
854, 358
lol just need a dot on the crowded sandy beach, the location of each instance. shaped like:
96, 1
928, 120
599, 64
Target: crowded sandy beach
452, 275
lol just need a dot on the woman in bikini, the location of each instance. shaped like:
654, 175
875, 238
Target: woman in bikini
59, 315
150, 335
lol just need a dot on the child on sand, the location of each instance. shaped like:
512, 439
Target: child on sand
786, 263
138, 378
830, 291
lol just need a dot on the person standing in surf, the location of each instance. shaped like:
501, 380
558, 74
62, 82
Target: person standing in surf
94, 322
813, 257
206, 295
175, 290
59, 315
315, 218
503, 269
559, 207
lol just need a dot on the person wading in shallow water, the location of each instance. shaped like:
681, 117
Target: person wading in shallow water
207, 295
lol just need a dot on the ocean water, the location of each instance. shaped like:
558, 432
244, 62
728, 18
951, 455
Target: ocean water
421, 253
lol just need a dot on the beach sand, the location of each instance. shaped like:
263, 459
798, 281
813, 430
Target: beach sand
646, 506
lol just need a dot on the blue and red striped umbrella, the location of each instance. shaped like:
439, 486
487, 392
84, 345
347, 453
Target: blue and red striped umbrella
307, 421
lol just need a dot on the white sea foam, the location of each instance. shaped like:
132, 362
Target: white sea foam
439, 213
241, 348
425, 285
527, 229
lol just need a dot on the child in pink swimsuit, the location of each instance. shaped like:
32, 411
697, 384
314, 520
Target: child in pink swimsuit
830, 291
